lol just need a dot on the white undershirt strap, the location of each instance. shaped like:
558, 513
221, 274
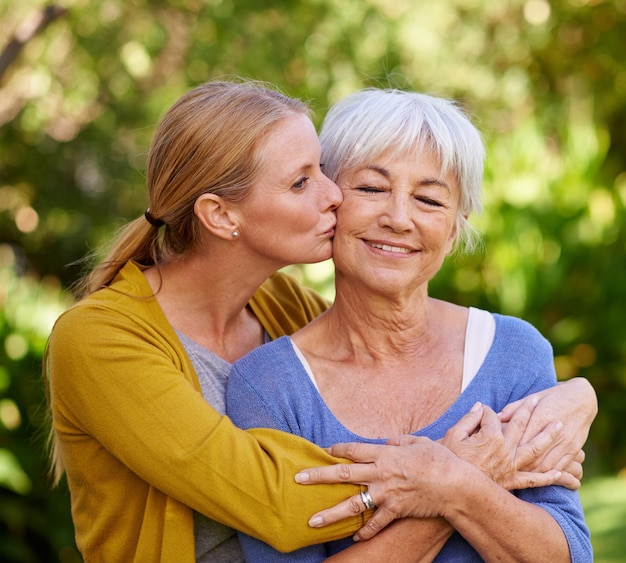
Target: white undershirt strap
481, 328
304, 363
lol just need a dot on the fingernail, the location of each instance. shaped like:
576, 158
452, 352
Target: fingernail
301, 477
475, 407
356, 538
316, 522
558, 475
534, 401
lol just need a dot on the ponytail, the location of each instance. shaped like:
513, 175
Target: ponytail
137, 241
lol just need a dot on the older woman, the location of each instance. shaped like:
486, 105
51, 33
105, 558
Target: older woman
386, 359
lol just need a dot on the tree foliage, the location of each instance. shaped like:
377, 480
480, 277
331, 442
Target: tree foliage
545, 81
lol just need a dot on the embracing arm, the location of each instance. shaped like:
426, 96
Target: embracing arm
478, 438
141, 415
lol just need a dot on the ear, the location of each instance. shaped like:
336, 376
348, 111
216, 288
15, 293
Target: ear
216, 215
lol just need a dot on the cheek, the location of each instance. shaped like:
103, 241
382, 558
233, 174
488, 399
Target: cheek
353, 215
304, 220
299, 223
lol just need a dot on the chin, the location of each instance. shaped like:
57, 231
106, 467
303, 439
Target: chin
319, 258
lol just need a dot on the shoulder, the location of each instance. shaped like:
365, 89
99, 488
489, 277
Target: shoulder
268, 388
283, 305
124, 312
519, 361
523, 353
520, 334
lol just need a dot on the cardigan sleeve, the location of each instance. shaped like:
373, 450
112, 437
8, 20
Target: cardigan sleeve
266, 402
125, 407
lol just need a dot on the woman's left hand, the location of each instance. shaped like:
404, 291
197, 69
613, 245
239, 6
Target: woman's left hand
573, 402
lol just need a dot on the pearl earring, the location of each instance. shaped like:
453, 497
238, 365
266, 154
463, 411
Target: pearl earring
235, 234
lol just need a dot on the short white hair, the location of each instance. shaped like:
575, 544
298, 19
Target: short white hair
364, 125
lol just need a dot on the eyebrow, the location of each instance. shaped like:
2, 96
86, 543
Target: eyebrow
423, 182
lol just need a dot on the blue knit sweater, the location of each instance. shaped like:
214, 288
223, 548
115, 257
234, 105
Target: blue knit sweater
270, 388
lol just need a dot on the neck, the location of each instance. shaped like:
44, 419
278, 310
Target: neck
376, 327
205, 298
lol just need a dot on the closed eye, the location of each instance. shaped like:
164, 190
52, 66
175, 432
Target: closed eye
428, 201
368, 189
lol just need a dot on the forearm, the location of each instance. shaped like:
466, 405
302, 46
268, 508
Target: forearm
407, 540
501, 527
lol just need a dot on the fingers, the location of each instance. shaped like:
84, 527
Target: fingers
375, 524
356, 452
490, 422
509, 410
530, 480
517, 424
569, 480
530, 455
470, 422
580, 456
465, 427
568, 462
349, 507
358, 473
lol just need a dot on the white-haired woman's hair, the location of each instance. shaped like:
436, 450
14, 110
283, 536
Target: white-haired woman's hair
364, 125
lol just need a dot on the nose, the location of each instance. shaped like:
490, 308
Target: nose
396, 214
333, 196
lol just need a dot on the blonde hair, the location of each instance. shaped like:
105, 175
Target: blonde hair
207, 142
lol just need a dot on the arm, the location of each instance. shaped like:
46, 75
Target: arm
491, 519
477, 438
141, 415
406, 540
502, 528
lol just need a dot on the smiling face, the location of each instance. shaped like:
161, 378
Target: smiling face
289, 217
397, 222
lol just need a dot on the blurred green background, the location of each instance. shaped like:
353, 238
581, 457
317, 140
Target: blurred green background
82, 84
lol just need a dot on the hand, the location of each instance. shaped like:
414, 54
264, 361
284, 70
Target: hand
572, 474
480, 439
574, 402
412, 480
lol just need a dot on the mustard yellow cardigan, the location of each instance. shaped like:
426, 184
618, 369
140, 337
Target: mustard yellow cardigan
142, 449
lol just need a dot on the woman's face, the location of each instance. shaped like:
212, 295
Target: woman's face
290, 216
397, 222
